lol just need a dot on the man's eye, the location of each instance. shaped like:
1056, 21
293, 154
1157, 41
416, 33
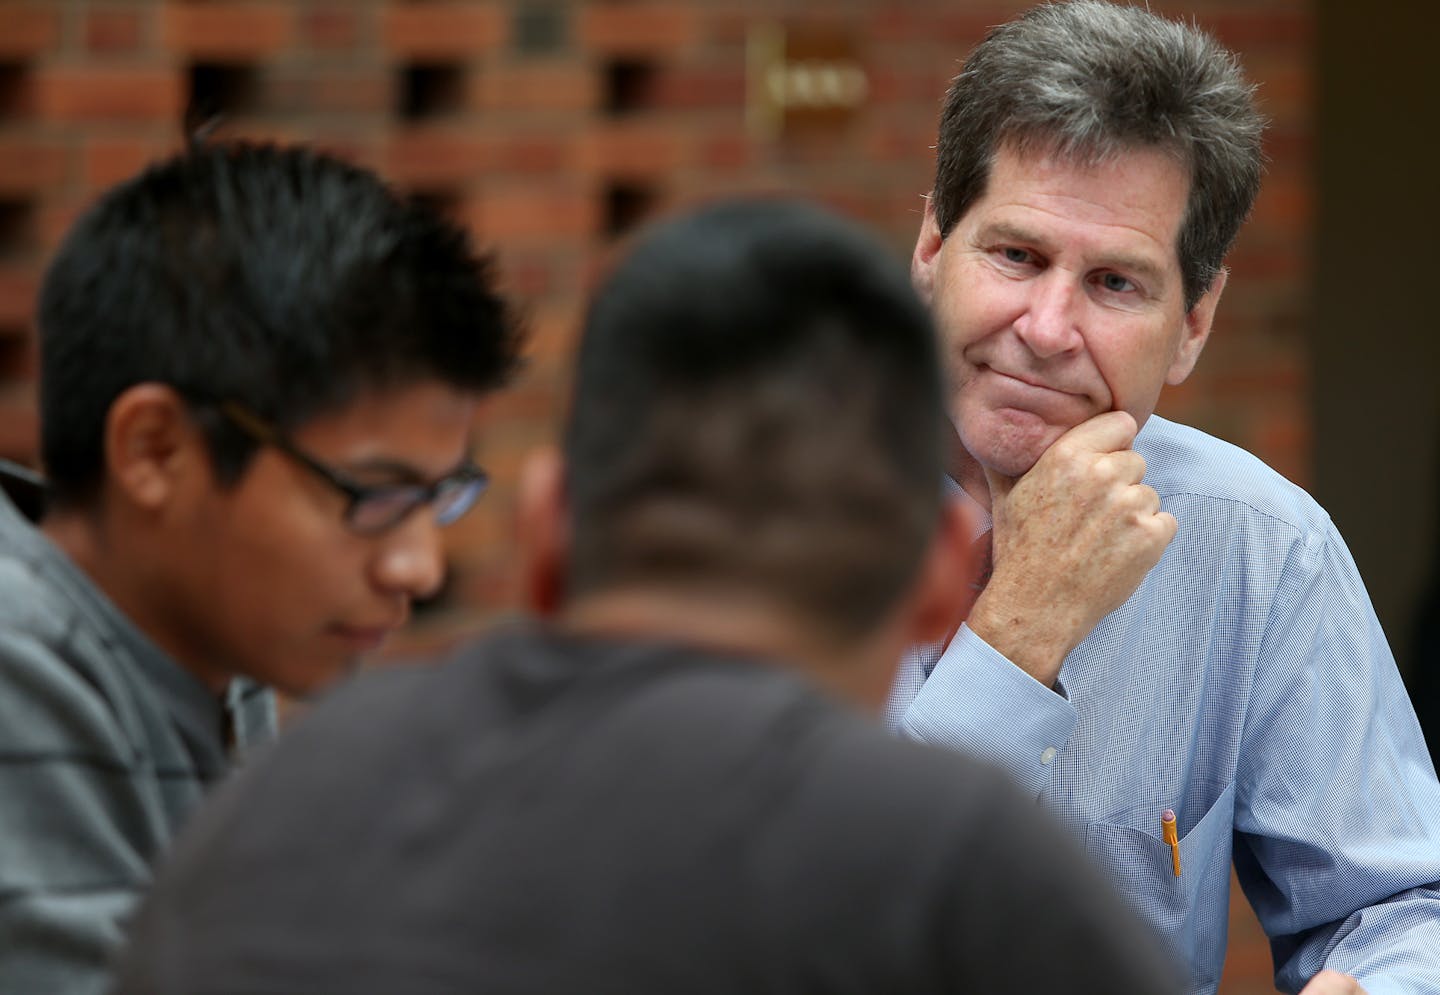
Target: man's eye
1116, 283
1013, 255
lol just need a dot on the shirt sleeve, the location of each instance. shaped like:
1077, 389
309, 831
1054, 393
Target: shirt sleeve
70, 869
1337, 804
971, 684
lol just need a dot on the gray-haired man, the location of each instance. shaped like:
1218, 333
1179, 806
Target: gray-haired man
1174, 651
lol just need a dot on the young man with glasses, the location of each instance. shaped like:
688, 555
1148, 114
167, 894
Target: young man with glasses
259, 371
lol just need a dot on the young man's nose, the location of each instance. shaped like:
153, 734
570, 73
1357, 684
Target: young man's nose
411, 558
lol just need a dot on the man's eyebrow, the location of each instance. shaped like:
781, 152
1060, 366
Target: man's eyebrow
1124, 262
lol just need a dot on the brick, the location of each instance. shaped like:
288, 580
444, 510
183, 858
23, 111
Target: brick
533, 214
30, 166
534, 154
105, 95
1291, 30
1286, 91
443, 30
726, 153
19, 359
107, 160
554, 334
638, 28
634, 149
331, 26
293, 89
1284, 205
30, 30
18, 286
234, 31
113, 31
905, 143
688, 88
545, 86
19, 422
429, 158
54, 220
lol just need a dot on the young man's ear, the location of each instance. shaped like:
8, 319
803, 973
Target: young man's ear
151, 446
544, 531
946, 588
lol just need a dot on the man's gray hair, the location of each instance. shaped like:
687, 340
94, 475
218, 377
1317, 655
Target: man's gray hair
1088, 80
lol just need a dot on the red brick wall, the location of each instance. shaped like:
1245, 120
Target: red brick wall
551, 127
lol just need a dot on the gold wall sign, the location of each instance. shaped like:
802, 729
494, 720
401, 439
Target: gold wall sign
802, 79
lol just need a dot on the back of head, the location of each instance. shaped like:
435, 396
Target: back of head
277, 277
757, 409
1087, 80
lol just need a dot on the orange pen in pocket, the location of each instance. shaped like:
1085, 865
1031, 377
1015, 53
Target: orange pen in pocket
1172, 837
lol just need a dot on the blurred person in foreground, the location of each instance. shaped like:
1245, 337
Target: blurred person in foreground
667, 784
1174, 643
259, 372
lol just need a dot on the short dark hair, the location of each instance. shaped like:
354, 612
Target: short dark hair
1088, 80
282, 278
758, 406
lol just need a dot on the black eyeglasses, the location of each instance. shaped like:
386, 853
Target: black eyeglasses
371, 509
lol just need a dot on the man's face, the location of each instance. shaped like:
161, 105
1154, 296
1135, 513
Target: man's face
1058, 296
267, 579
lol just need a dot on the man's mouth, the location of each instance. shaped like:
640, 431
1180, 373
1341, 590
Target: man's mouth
1027, 380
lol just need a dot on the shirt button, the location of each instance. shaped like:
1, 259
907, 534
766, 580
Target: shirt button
1047, 756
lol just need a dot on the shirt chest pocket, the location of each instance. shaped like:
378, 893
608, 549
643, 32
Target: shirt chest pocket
1189, 911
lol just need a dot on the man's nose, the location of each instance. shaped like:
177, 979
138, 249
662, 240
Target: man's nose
411, 558
1049, 325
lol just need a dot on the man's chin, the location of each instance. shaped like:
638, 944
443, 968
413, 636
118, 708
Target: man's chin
1011, 453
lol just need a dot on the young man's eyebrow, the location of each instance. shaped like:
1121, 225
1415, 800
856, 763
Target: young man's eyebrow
400, 472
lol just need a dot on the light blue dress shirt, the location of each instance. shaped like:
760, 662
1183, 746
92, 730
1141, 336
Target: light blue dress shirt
1247, 686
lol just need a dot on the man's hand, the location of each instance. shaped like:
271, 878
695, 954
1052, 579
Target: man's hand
1073, 539
1332, 983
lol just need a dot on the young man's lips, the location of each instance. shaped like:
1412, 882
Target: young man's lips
363, 636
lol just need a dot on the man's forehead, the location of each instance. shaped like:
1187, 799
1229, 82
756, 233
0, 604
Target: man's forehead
1135, 205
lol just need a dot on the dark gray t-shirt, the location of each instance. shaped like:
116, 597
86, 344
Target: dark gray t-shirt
549, 814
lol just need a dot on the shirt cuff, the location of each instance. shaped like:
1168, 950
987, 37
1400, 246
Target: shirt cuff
977, 702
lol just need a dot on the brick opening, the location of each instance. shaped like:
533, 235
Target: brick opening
430, 90
14, 90
17, 227
220, 90
17, 354
627, 204
630, 85
443, 203
539, 28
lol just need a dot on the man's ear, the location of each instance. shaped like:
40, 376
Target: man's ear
151, 446
1197, 330
945, 590
544, 531
927, 248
